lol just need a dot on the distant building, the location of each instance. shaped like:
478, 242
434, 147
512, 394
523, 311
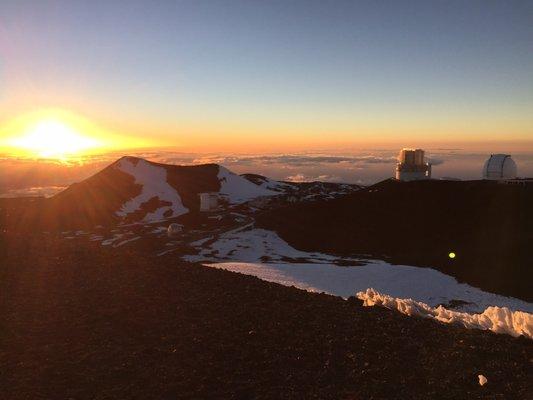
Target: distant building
499, 167
412, 166
208, 201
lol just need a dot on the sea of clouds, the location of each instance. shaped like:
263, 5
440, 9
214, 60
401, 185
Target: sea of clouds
21, 176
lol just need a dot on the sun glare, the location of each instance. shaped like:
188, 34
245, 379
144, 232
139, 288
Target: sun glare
62, 135
55, 139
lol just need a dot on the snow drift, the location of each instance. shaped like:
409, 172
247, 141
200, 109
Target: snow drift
496, 319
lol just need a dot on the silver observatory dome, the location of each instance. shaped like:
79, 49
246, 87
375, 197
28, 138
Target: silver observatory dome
499, 166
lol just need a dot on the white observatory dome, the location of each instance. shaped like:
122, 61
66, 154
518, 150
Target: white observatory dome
499, 166
174, 229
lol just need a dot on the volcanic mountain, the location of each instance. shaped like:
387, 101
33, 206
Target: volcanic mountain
133, 189
136, 190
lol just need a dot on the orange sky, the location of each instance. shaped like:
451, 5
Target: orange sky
249, 136
267, 77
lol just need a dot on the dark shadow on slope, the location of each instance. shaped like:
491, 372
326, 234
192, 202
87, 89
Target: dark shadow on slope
489, 226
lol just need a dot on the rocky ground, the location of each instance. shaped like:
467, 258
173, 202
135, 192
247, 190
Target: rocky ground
81, 321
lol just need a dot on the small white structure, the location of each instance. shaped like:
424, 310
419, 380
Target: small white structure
174, 229
499, 167
208, 201
412, 166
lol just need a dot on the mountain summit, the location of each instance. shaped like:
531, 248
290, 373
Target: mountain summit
136, 190
133, 189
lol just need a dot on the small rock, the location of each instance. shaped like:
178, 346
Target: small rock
482, 380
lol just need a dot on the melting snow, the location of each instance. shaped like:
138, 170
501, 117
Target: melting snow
264, 254
422, 284
253, 245
126, 241
342, 281
201, 241
165, 252
154, 184
496, 319
109, 241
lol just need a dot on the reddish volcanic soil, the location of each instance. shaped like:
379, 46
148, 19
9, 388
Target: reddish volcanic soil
85, 322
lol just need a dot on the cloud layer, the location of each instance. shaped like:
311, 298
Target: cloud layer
31, 177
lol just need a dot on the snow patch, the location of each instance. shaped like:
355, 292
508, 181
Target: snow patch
159, 229
238, 189
165, 252
422, 284
264, 254
109, 241
250, 245
201, 242
126, 241
277, 186
154, 184
496, 319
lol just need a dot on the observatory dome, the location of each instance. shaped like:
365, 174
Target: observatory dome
499, 166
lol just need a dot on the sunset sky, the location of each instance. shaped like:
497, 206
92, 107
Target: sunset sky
269, 75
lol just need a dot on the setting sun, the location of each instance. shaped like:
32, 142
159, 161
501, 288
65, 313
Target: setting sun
60, 134
52, 138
